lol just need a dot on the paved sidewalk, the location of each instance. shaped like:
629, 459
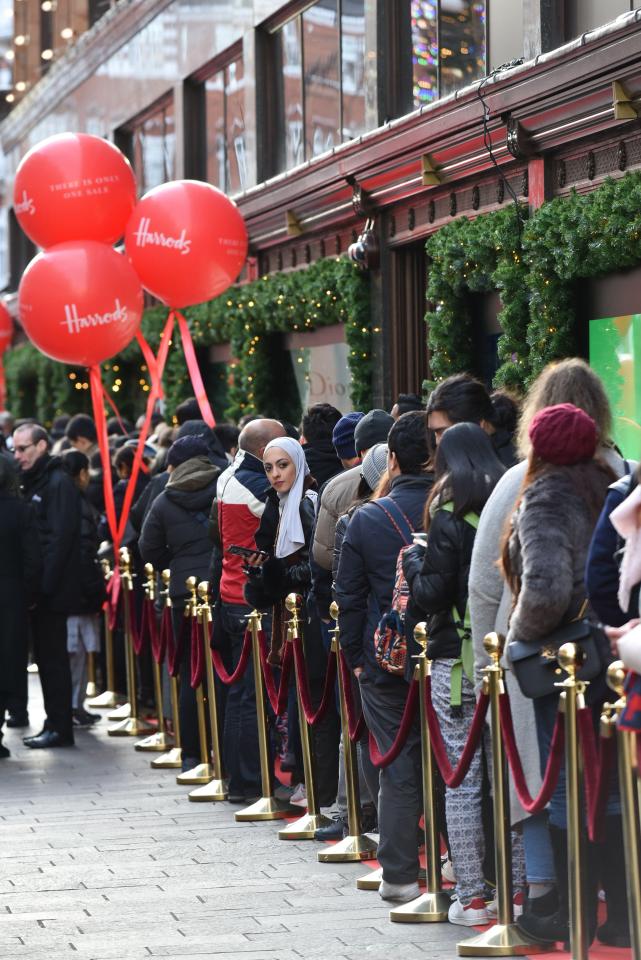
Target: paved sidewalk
103, 858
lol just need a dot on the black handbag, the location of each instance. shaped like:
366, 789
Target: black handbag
536, 668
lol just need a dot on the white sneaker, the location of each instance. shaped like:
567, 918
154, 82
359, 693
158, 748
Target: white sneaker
475, 914
517, 906
299, 796
447, 870
400, 892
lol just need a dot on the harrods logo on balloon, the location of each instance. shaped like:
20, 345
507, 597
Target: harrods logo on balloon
75, 323
144, 236
24, 205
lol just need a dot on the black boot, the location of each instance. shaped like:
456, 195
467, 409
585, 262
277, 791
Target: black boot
556, 926
615, 932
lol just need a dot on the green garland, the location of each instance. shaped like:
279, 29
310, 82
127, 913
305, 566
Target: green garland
477, 256
253, 318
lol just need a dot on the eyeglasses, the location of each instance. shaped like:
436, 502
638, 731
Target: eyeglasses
22, 449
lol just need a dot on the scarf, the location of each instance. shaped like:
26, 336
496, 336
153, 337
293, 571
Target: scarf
625, 520
290, 528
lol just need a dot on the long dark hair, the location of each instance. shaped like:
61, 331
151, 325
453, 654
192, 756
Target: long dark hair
466, 470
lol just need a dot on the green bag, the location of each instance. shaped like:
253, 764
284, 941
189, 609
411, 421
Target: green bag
465, 663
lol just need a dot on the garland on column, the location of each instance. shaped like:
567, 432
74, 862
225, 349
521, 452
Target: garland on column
253, 318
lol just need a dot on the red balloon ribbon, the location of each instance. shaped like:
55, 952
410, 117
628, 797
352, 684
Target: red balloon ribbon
197, 658
313, 716
192, 367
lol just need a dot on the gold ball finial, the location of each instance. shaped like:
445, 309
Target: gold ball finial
149, 570
291, 603
191, 583
616, 677
203, 589
420, 635
123, 553
166, 576
570, 658
493, 644
333, 610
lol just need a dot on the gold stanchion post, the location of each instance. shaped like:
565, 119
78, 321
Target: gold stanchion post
504, 939
431, 906
132, 726
157, 742
173, 758
630, 801
305, 827
268, 807
356, 846
108, 699
203, 772
216, 789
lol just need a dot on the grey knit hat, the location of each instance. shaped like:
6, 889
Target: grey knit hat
374, 465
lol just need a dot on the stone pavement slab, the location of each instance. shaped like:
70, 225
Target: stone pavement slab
104, 858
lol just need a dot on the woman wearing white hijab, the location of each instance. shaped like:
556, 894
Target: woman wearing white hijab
284, 534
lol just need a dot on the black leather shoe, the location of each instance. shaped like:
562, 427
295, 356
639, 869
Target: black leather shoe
48, 739
333, 831
15, 720
32, 736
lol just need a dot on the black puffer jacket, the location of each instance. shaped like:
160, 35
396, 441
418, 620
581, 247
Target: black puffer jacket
176, 530
279, 576
90, 583
50, 489
437, 576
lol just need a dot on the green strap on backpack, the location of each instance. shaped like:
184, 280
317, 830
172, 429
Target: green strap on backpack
465, 663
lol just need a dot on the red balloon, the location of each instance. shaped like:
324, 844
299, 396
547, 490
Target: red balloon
6, 327
74, 187
80, 302
187, 242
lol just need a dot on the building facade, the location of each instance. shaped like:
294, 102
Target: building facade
335, 120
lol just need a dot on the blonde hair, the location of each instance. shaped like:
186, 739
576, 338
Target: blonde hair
566, 381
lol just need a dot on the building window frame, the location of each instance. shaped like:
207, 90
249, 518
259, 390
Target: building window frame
125, 137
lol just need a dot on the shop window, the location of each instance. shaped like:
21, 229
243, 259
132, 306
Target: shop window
321, 368
225, 126
321, 76
448, 39
150, 143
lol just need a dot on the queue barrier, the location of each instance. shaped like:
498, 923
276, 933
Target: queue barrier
589, 760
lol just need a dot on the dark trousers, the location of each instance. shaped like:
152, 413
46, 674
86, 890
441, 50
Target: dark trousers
240, 738
399, 796
50, 652
187, 697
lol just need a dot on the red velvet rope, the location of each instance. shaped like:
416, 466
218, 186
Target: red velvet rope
148, 627
409, 712
638, 737
158, 638
597, 772
229, 678
113, 595
135, 632
174, 645
355, 727
552, 769
313, 717
277, 698
197, 658
454, 777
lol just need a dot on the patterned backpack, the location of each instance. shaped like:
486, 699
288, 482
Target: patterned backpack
390, 642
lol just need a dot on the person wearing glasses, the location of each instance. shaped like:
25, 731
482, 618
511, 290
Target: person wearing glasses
52, 492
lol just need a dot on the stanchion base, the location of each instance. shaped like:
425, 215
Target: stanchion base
267, 808
305, 827
210, 792
131, 727
428, 908
122, 713
350, 849
156, 743
104, 701
501, 941
372, 880
92, 689
168, 761
202, 773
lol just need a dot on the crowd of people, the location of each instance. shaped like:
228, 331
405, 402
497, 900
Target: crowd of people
473, 512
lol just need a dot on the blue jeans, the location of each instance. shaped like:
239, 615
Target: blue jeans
539, 860
545, 712
240, 735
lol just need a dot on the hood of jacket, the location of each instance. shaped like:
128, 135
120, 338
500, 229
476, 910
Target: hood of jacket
193, 484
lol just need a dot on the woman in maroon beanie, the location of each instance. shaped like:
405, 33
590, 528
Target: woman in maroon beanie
543, 560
